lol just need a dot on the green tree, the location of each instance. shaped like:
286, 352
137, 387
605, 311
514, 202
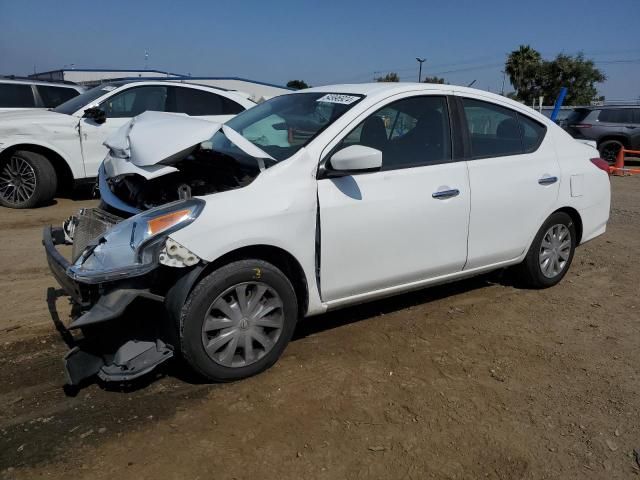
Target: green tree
576, 73
434, 79
297, 84
389, 77
533, 77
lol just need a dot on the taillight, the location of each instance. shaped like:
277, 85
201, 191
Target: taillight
601, 164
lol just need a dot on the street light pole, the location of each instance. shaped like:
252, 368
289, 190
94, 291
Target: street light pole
420, 61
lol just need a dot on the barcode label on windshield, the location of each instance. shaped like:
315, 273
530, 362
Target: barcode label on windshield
337, 98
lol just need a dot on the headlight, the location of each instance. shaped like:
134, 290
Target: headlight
131, 247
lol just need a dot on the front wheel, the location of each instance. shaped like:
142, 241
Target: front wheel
238, 320
27, 180
551, 252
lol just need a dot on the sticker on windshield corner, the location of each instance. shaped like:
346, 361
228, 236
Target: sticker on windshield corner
108, 88
338, 98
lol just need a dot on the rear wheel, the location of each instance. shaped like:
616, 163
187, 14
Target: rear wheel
238, 320
609, 150
27, 179
551, 252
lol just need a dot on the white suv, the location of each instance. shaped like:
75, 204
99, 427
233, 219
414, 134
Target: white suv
41, 151
23, 93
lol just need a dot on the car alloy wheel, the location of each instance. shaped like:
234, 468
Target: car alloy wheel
17, 181
555, 250
243, 324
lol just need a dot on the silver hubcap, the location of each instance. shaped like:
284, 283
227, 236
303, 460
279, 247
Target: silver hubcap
17, 181
243, 324
555, 250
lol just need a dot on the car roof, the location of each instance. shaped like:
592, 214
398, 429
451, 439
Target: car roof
378, 90
30, 81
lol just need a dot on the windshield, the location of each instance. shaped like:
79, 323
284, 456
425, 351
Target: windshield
71, 106
283, 125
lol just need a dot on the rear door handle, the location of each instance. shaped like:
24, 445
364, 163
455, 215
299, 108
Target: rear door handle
444, 194
548, 180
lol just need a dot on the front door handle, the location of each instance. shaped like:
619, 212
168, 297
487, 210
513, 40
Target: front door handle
444, 194
548, 180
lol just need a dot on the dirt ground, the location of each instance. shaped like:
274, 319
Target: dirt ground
477, 379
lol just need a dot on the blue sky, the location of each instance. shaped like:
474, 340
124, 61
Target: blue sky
321, 41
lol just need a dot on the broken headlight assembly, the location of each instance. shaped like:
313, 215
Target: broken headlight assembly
133, 247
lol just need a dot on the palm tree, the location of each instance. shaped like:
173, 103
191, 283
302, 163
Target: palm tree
523, 67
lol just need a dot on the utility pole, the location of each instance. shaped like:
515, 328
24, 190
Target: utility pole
503, 76
420, 61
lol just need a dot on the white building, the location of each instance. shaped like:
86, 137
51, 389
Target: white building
258, 91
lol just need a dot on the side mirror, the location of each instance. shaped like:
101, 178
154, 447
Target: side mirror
95, 114
356, 158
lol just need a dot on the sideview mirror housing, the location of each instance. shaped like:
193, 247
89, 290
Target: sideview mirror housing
95, 114
355, 159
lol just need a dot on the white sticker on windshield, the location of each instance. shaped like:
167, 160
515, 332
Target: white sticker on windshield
108, 88
338, 98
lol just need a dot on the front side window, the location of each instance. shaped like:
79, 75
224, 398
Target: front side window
409, 133
54, 96
283, 125
135, 101
16, 95
85, 99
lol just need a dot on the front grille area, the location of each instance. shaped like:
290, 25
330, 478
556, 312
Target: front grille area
90, 224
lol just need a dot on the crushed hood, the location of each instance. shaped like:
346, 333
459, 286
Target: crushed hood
147, 144
155, 137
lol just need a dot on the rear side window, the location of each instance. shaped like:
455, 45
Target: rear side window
494, 130
616, 115
199, 102
16, 95
497, 131
54, 96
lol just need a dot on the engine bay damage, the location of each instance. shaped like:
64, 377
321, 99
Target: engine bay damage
199, 172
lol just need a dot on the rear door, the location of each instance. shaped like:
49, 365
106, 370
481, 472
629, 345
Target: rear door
514, 180
119, 109
404, 223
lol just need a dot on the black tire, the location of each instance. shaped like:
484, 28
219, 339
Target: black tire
530, 271
200, 301
609, 150
35, 166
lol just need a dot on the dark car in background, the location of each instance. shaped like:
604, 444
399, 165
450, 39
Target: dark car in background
612, 127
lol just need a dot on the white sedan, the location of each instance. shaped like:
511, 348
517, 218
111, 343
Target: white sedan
317, 200
41, 151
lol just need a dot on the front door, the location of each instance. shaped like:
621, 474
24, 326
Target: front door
402, 224
119, 109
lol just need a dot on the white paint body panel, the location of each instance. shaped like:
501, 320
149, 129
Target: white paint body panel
79, 141
382, 233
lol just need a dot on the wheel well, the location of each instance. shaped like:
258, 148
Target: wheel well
620, 139
277, 257
575, 216
63, 172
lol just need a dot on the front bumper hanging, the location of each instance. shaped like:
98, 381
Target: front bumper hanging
111, 353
